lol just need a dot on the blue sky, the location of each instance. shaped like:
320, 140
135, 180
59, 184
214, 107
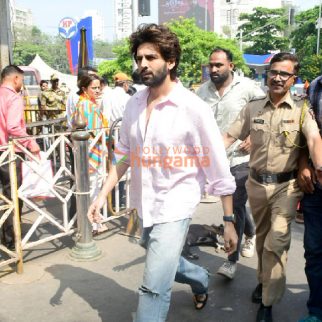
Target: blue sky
48, 14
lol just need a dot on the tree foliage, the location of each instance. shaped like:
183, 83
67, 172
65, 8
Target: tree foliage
264, 30
196, 45
304, 37
122, 62
311, 67
52, 49
103, 49
32, 41
304, 41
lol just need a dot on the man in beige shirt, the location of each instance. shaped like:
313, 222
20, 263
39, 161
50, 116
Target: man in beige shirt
227, 93
278, 126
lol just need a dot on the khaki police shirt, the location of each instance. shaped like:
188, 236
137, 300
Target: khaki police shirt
53, 100
275, 133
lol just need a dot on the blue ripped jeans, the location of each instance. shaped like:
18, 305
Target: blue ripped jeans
164, 264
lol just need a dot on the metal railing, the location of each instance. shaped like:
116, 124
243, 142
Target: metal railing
58, 148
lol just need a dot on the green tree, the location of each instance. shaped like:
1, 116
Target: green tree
264, 30
304, 41
196, 45
304, 37
30, 42
57, 53
104, 49
24, 53
122, 62
311, 67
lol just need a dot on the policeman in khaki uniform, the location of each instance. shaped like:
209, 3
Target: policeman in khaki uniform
278, 125
53, 100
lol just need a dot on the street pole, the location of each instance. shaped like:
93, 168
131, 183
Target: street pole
85, 248
319, 30
5, 34
134, 14
206, 15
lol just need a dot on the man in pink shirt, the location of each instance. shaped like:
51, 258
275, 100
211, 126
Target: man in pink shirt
170, 140
12, 124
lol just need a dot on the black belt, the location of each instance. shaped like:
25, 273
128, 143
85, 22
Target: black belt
273, 177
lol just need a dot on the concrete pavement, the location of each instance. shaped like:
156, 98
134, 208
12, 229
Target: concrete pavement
55, 288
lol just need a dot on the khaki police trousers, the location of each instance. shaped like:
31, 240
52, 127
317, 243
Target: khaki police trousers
273, 207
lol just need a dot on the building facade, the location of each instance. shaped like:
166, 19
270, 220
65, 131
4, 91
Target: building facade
22, 18
123, 18
227, 12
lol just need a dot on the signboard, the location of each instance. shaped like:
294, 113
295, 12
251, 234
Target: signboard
74, 43
201, 10
67, 28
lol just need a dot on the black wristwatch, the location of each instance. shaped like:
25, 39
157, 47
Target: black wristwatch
230, 218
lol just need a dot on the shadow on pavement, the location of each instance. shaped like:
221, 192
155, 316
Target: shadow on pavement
111, 301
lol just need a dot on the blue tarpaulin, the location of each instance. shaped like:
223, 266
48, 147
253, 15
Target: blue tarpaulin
258, 60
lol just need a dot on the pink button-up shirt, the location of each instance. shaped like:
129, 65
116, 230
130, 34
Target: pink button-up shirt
170, 162
11, 117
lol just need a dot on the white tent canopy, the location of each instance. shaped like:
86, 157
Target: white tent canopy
46, 71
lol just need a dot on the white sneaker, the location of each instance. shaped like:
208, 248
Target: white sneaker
228, 269
248, 247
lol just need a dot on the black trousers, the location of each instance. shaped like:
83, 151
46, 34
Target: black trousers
7, 235
244, 222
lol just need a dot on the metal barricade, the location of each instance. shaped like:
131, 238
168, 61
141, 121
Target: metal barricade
51, 219
10, 208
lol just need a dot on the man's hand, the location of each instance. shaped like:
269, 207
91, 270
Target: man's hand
36, 151
93, 213
230, 238
306, 179
245, 145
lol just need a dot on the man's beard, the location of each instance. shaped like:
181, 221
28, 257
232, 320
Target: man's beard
219, 79
156, 79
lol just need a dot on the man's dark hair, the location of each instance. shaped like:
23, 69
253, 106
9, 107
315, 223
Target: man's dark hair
286, 56
43, 81
131, 90
104, 80
228, 53
9, 70
162, 38
85, 82
84, 71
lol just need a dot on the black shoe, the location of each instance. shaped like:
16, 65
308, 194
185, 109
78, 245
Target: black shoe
264, 314
257, 294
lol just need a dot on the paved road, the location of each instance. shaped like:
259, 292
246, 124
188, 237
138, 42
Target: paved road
55, 288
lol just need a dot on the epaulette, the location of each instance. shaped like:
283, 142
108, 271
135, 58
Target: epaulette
299, 98
257, 99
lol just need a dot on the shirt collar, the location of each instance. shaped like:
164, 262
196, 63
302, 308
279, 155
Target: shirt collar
173, 98
287, 102
9, 87
236, 80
